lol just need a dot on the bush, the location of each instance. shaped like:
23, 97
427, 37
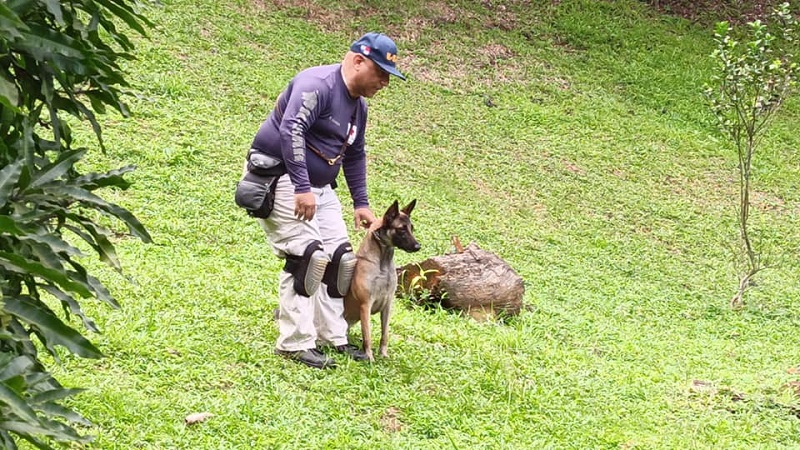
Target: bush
57, 59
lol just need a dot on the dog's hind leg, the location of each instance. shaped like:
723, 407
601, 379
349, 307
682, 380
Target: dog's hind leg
384, 348
367, 341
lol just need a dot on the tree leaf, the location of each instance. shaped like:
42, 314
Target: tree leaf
22, 338
44, 44
35, 313
87, 197
79, 232
9, 176
66, 160
112, 178
59, 60
53, 430
44, 255
101, 291
98, 132
91, 282
41, 381
11, 226
53, 395
124, 12
53, 409
54, 7
9, 95
16, 367
35, 442
56, 244
73, 305
10, 23
104, 247
17, 263
16, 405
6, 441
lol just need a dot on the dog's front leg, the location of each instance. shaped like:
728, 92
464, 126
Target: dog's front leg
384, 348
367, 341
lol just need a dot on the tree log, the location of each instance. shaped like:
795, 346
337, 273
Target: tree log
474, 281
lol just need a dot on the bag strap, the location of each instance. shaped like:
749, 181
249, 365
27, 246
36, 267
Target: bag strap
330, 161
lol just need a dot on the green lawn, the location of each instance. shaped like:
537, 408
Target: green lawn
597, 174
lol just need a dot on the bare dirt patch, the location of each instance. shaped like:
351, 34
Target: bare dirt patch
334, 19
422, 56
340, 18
574, 168
429, 60
707, 11
708, 191
390, 420
768, 202
495, 53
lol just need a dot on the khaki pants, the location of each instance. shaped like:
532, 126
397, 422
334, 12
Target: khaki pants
303, 322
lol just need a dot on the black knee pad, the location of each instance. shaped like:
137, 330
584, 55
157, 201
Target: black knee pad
339, 272
308, 269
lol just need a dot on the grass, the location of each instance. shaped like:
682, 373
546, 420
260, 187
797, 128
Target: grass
597, 175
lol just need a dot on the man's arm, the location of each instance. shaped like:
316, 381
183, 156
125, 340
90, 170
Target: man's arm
301, 111
354, 167
354, 164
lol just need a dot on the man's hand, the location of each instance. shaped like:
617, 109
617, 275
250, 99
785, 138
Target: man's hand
364, 218
305, 205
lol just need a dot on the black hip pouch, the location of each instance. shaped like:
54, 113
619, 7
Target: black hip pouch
255, 192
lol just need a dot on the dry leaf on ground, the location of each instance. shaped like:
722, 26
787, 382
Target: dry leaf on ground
194, 418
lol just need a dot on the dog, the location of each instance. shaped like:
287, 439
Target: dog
374, 282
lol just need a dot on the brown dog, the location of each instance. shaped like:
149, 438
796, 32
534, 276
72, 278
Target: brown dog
375, 277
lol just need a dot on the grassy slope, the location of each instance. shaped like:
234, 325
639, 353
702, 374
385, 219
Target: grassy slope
598, 176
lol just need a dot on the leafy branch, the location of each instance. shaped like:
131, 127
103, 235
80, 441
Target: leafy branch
57, 59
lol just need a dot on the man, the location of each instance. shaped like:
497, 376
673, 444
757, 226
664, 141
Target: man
316, 128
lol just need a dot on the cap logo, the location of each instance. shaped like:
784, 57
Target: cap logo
380, 49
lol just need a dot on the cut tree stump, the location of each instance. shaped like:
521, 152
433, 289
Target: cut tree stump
471, 280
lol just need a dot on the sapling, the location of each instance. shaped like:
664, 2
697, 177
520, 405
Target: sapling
753, 78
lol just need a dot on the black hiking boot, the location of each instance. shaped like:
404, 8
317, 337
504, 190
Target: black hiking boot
311, 357
352, 351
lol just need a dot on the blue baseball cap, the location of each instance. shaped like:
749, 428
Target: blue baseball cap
380, 49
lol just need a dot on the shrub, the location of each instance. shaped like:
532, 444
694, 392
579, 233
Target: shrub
57, 59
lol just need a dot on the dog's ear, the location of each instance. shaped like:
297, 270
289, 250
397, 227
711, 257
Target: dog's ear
391, 213
410, 207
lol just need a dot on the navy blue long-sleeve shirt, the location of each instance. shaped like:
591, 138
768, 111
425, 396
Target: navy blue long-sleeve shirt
318, 110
